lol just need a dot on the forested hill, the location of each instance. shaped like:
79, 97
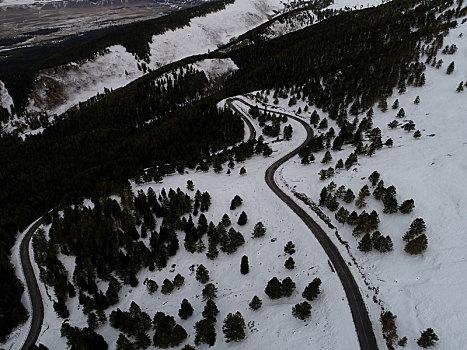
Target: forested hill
349, 60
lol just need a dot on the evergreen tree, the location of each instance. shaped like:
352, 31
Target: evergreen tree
417, 100
209, 292
323, 124
288, 286
349, 196
393, 124
123, 343
407, 206
189, 185
383, 244
417, 245
236, 202
417, 134
255, 303
360, 202
312, 290
186, 310
342, 215
178, 281
151, 286
288, 132
383, 105
242, 220
234, 327
244, 267
366, 244
210, 310
202, 274
417, 227
395, 105
274, 289
302, 311
314, 118
289, 248
205, 332
289, 263
427, 338
388, 322
327, 157
226, 220
259, 230
167, 287
450, 68
402, 342
374, 178
339, 164
242, 171
401, 113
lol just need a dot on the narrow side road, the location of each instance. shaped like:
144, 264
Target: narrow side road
33, 288
363, 327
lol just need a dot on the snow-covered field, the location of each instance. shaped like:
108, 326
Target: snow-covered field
426, 290
273, 326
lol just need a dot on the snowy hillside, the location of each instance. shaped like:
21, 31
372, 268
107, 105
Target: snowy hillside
426, 290
272, 326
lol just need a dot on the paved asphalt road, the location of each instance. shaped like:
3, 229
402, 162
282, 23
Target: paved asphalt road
366, 336
33, 288
360, 316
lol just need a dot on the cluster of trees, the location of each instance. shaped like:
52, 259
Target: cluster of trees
417, 241
302, 310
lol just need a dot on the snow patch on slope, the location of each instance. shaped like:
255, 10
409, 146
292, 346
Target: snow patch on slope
214, 68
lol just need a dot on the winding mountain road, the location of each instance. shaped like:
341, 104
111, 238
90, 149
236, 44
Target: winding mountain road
33, 288
363, 327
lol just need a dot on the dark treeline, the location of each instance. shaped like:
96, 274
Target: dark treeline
351, 60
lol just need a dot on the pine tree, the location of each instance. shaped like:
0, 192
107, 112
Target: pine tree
312, 290
383, 105
202, 274
401, 113
383, 244
189, 185
427, 338
205, 332
242, 171
234, 327
274, 289
407, 206
288, 130
339, 164
450, 68
393, 124
167, 287
366, 244
210, 310
288, 286
342, 215
402, 342
226, 220
417, 245
323, 124
259, 230
255, 303
178, 281
327, 157
360, 202
395, 105
374, 178
289, 263
242, 220
314, 118
460, 88
186, 310
388, 322
209, 292
417, 227
417, 100
302, 311
349, 196
289, 248
123, 343
244, 267
236, 202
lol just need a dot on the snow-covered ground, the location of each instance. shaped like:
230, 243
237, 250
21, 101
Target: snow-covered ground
273, 326
426, 290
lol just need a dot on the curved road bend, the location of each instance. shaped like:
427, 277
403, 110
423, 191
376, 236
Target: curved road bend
32, 285
245, 119
366, 336
33, 288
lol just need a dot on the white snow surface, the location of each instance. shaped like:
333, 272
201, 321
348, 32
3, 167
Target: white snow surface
5, 99
203, 34
273, 326
216, 67
427, 290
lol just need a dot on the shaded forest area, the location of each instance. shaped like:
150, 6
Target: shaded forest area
345, 63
